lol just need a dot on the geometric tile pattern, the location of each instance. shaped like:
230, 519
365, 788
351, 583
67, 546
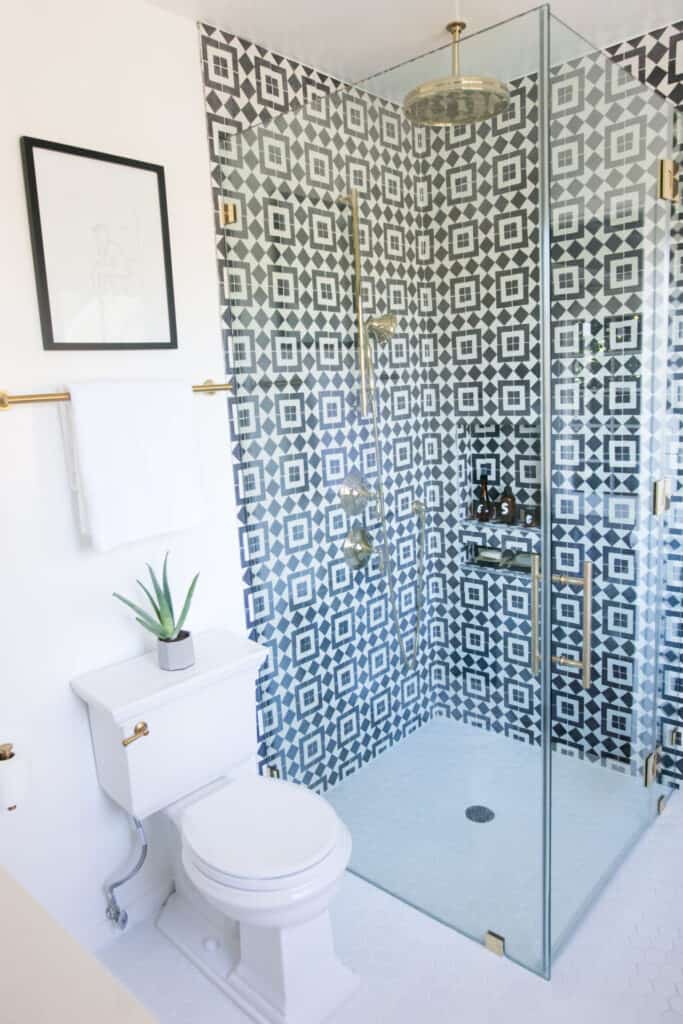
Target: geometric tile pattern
656, 58
607, 283
333, 693
449, 241
482, 226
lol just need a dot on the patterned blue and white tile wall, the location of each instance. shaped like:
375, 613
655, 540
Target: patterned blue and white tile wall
334, 693
656, 58
450, 244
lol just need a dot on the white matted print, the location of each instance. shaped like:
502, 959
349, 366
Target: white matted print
99, 230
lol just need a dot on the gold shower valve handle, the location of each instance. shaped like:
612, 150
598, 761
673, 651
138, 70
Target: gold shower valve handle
140, 730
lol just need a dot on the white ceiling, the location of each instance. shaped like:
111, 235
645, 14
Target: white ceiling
354, 38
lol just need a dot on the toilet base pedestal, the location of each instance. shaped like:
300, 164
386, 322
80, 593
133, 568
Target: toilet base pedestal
275, 975
290, 975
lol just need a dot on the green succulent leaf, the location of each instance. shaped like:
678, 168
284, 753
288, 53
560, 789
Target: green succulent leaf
150, 598
140, 613
156, 630
166, 588
166, 622
186, 607
155, 584
164, 626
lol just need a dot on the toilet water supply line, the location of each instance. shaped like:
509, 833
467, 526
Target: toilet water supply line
368, 400
114, 912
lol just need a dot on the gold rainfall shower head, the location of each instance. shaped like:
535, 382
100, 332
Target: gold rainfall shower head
458, 99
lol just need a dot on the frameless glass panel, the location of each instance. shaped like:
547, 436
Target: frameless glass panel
671, 453
451, 818
435, 765
609, 267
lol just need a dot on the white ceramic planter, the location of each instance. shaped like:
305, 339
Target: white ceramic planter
177, 654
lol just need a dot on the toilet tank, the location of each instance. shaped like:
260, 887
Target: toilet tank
187, 728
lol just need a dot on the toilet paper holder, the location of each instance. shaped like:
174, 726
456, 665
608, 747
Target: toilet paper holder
12, 778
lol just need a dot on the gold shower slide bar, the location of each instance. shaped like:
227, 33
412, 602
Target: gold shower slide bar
351, 198
209, 387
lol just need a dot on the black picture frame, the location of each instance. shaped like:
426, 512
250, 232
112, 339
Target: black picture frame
29, 145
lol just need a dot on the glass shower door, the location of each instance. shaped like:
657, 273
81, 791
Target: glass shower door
607, 362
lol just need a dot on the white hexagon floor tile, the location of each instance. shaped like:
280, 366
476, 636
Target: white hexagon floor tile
624, 964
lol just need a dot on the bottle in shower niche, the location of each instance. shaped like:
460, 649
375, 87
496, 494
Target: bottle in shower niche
508, 505
484, 507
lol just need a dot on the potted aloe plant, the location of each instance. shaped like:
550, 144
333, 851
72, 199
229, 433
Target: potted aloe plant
175, 649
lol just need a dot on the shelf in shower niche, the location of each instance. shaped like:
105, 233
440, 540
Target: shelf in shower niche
477, 524
502, 536
500, 570
515, 572
488, 426
500, 558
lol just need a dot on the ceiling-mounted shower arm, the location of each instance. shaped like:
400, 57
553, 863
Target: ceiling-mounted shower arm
456, 28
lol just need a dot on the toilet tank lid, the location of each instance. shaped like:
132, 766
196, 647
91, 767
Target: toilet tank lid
129, 688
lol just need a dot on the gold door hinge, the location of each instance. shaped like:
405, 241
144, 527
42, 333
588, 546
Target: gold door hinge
652, 766
495, 943
668, 181
228, 214
661, 496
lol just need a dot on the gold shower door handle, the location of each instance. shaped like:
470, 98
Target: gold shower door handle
535, 584
586, 583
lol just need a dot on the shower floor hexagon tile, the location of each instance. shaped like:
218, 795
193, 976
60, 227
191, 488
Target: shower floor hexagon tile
625, 963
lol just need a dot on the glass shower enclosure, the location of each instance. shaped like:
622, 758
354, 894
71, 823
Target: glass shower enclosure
494, 774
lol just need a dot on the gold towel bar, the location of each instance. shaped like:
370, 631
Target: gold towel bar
209, 387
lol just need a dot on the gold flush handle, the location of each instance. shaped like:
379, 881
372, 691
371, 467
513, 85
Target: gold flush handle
140, 730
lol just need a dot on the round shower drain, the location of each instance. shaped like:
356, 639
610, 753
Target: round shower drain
480, 814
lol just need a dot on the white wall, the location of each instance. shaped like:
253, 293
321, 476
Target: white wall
124, 78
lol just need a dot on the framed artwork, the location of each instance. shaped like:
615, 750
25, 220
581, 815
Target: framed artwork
101, 250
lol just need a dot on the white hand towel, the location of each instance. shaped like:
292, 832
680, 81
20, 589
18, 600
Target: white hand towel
136, 458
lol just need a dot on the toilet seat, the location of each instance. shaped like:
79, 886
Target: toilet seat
260, 834
268, 855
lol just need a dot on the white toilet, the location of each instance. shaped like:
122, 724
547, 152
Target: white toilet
256, 860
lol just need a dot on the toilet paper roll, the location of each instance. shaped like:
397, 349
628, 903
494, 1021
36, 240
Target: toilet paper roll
13, 783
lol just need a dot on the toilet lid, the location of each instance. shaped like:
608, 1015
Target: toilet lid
257, 828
